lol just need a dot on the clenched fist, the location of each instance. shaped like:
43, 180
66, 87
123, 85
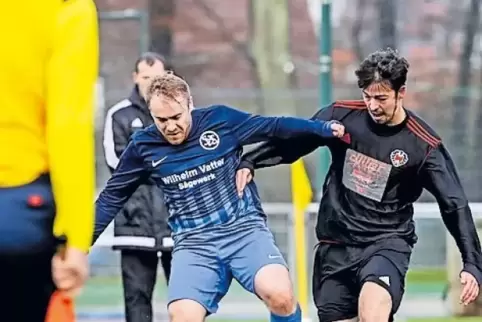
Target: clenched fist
338, 129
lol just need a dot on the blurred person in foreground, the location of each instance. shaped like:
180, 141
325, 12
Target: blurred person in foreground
365, 223
48, 72
192, 155
141, 229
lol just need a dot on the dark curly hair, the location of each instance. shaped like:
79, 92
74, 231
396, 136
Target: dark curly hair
383, 66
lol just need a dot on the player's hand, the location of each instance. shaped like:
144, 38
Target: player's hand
338, 129
70, 270
243, 177
470, 290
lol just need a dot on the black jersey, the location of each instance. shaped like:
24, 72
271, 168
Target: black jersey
376, 175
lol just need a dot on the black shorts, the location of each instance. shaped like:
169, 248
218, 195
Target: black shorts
340, 271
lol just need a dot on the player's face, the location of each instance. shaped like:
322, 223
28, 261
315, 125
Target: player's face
172, 117
381, 101
145, 73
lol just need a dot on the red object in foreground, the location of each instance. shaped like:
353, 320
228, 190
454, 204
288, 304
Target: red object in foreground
35, 201
61, 308
346, 138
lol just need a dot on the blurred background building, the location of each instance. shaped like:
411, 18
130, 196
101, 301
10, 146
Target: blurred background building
263, 56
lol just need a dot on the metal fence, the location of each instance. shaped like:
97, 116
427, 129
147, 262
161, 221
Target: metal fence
429, 252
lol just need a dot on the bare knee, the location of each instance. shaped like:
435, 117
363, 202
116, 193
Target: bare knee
273, 284
375, 303
186, 311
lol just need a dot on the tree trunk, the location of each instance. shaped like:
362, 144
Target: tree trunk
461, 98
478, 140
357, 28
461, 109
270, 48
449, 28
270, 45
387, 12
161, 15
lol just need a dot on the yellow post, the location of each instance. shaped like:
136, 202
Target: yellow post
301, 278
301, 194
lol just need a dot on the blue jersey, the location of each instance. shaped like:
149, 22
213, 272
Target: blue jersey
198, 176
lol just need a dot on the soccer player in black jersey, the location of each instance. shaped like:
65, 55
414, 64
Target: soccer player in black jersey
365, 223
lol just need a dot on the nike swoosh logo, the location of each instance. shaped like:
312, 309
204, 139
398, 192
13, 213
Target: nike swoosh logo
156, 163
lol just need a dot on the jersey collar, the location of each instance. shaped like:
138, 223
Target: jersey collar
385, 130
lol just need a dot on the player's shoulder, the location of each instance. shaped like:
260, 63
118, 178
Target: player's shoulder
343, 108
214, 109
216, 114
350, 104
148, 133
203, 111
424, 133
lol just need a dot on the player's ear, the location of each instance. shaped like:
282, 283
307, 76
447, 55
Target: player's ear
402, 91
191, 105
134, 77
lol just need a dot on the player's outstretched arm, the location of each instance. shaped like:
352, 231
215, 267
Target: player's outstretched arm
129, 174
441, 179
72, 72
250, 128
277, 151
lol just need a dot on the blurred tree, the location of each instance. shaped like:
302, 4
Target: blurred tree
242, 47
450, 27
270, 46
461, 97
161, 16
357, 29
271, 50
478, 136
387, 17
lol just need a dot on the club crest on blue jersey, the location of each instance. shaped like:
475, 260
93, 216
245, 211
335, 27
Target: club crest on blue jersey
398, 158
209, 140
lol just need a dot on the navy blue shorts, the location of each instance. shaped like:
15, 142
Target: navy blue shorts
27, 217
26, 248
204, 264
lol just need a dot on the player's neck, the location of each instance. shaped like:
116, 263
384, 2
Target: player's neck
399, 117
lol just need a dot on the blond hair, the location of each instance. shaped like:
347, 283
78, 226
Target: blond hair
170, 86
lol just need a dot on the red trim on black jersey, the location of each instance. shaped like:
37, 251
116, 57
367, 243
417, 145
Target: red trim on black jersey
351, 104
422, 133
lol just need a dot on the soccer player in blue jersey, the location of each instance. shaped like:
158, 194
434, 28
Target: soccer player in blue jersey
193, 154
